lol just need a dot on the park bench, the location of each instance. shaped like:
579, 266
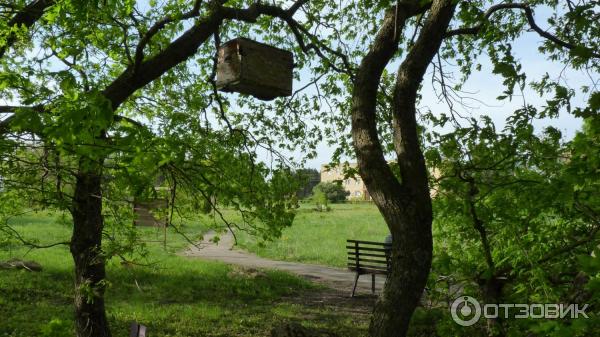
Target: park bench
367, 257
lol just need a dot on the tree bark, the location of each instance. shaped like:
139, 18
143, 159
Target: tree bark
405, 204
86, 249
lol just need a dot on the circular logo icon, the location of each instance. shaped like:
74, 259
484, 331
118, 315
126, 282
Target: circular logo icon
465, 310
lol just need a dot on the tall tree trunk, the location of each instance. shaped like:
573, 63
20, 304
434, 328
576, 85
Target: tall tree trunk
491, 288
86, 248
405, 203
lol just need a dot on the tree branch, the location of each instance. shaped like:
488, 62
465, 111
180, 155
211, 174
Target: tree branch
184, 47
26, 17
120, 118
10, 109
374, 169
530, 19
410, 75
181, 49
15, 234
559, 251
139, 51
255, 10
479, 225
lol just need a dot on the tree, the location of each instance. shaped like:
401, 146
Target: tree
384, 110
309, 178
320, 200
515, 218
333, 191
105, 99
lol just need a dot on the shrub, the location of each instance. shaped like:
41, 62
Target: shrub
333, 191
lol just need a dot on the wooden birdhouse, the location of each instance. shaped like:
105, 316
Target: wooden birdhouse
254, 68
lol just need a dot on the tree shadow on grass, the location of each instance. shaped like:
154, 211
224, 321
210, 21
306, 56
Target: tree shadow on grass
181, 298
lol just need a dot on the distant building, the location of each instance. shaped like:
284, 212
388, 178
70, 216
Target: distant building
356, 186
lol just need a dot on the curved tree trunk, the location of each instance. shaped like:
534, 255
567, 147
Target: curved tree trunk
86, 249
405, 203
410, 264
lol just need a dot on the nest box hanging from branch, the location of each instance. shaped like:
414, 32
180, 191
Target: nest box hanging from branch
254, 68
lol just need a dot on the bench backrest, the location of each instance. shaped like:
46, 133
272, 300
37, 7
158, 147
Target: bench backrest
368, 257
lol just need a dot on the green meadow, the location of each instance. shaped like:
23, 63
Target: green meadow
320, 237
178, 296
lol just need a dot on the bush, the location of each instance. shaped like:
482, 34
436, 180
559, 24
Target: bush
320, 200
57, 328
334, 192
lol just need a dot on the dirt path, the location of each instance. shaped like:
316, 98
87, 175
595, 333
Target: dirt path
336, 278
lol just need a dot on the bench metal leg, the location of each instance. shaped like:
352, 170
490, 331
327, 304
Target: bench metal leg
134, 328
137, 330
373, 283
355, 283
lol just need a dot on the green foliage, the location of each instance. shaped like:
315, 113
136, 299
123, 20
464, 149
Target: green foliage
520, 209
56, 328
308, 179
204, 147
333, 191
319, 198
530, 191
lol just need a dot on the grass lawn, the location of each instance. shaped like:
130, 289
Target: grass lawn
177, 296
320, 237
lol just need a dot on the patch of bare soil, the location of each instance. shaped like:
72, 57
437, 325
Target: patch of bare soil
328, 299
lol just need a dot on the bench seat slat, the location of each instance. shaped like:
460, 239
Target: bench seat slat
368, 271
360, 260
367, 266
